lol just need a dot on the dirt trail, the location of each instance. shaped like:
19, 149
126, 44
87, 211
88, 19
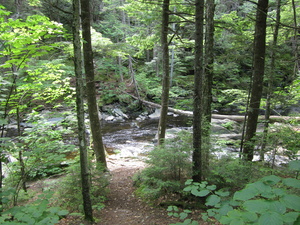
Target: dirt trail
122, 206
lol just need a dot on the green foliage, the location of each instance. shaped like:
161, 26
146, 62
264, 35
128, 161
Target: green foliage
174, 211
43, 148
235, 99
68, 192
22, 39
270, 200
168, 164
266, 201
282, 140
37, 212
232, 173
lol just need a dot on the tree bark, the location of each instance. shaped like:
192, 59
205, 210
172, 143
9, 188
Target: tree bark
207, 82
166, 73
271, 80
295, 41
85, 184
258, 75
198, 92
90, 84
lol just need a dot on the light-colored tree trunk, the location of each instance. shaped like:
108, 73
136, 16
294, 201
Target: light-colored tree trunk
90, 84
198, 92
166, 73
257, 75
85, 181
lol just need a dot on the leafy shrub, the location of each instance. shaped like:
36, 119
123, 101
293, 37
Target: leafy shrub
232, 173
69, 194
272, 200
168, 164
37, 213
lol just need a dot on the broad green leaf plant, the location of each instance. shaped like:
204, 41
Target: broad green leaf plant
272, 200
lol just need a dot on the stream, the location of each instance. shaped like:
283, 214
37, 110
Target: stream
132, 138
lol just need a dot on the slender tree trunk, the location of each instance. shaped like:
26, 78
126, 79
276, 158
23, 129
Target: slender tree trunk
270, 80
166, 73
258, 75
85, 184
207, 82
198, 93
295, 43
90, 84
132, 74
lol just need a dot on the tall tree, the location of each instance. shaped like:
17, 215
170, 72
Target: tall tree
90, 83
271, 77
295, 39
259, 49
198, 92
166, 73
208, 80
85, 181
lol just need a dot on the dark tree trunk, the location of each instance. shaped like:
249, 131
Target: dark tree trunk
271, 80
198, 92
90, 84
257, 75
85, 184
166, 74
207, 82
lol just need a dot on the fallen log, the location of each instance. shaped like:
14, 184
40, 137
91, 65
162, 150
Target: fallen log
237, 118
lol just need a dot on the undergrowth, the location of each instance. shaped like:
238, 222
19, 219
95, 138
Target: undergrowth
168, 166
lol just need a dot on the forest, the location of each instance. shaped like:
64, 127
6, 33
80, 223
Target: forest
150, 112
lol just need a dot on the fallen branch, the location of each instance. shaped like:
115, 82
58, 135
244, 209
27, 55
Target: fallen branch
237, 118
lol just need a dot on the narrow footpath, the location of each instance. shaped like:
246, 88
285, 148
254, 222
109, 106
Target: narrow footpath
122, 206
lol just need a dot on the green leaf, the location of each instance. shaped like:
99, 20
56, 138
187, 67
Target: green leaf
294, 165
291, 182
183, 215
271, 180
260, 186
200, 193
249, 216
291, 201
212, 200
211, 212
237, 221
188, 182
245, 194
258, 206
211, 187
276, 206
225, 209
188, 188
290, 217
270, 218
222, 193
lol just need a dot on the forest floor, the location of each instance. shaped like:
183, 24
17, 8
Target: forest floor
122, 206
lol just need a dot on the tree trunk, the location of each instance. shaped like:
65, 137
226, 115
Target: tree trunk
258, 75
90, 84
207, 82
198, 92
85, 184
270, 81
166, 76
295, 42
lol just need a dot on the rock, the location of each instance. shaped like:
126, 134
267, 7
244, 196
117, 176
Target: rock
109, 118
118, 112
156, 114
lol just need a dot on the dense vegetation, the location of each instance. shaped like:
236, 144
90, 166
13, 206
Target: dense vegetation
38, 92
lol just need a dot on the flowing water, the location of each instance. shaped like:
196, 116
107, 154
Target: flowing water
132, 138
